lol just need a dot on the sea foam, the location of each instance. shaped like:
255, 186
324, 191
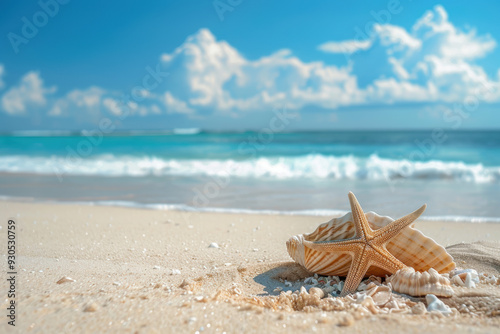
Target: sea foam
314, 166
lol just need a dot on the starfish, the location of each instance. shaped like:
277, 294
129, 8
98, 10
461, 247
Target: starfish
368, 247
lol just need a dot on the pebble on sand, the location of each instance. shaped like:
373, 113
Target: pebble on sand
213, 245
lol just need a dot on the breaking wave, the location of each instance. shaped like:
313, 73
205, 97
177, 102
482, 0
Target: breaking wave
308, 166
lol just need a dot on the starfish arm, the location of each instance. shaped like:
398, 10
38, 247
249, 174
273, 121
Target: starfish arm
358, 269
343, 246
389, 231
383, 259
361, 225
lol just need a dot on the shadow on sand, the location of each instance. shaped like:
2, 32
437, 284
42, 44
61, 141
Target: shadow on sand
275, 277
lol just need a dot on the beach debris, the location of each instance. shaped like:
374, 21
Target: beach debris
376, 299
418, 309
414, 283
457, 281
434, 304
469, 283
213, 245
65, 279
491, 279
189, 285
381, 294
90, 307
465, 277
156, 267
201, 299
462, 273
175, 272
330, 249
317, 292
117, 283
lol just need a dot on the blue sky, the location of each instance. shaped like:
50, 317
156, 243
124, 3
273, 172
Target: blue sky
228, 64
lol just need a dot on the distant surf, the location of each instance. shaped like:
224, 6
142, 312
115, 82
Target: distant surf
314, 166
288, 172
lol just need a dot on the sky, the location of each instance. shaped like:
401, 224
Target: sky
233, 65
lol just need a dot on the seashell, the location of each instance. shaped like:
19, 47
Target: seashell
491, 280
381, 294
457, 281
434, 304
414, 283
367, 302
410, 246
317, 292
469, 283
462, 273
418, 309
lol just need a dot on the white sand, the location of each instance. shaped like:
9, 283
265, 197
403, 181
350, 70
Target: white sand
123, 259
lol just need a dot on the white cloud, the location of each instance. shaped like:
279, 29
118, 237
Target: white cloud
345, 47
394, 36
176, 106
30, 93
453, 43
432, 62
95, 102
211, 74
113, 106
77, 102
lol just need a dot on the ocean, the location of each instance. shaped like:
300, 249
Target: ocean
457, 173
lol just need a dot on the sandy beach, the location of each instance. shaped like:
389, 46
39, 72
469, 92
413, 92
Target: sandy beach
129, 265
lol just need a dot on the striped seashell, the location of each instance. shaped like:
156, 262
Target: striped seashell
410, 246
414, 283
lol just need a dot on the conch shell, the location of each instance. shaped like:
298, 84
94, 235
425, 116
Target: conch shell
410, 246
414, 283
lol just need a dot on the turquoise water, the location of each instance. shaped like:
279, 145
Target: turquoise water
456, 173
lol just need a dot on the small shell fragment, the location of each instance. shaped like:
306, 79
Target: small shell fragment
469, 283
462, 273
381, 294
434, 304
316, 291
91, 307
65, 279
457, 281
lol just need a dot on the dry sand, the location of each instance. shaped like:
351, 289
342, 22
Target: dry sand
129, 264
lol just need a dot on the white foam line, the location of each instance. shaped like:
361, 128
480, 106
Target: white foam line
315, 166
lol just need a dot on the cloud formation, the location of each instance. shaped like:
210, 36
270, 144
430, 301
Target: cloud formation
433, 62
29, 93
